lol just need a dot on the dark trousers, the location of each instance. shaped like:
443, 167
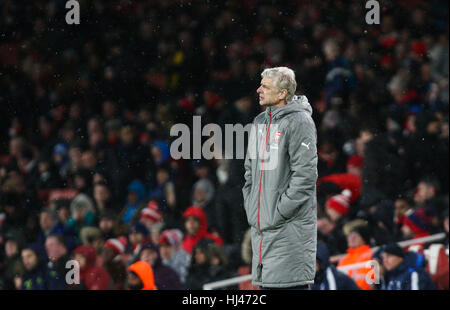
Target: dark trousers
300, 287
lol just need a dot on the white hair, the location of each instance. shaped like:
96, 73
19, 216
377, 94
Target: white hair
283, 78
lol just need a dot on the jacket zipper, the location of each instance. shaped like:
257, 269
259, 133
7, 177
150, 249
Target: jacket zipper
259, 195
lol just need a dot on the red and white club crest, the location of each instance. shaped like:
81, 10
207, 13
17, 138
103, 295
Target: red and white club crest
277, 136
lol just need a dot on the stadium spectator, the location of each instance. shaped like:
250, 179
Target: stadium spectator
140, 277
172, 254
58, 256
165, 277
196, 228
138, 235
92, 277
111, 254
135, 200
327, 276
36, 273
358, 252
401, 274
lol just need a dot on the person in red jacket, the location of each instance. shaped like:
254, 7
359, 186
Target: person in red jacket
92, 277
196, 228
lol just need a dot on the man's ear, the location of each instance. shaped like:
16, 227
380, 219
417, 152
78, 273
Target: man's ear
283, 94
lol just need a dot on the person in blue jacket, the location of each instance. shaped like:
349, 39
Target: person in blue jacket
404, 271
36, 272
137, 193
327, 276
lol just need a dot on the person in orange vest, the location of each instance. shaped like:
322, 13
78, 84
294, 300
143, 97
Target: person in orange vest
359, 251
140, 277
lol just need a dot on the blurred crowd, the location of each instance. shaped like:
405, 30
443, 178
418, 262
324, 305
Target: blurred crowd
85, 166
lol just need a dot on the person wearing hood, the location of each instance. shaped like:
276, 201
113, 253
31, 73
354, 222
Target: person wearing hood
160, 152
196, 226
92, 277
203, 196
172, 254
165, 277
280, 185
327, 276
82, 214
403, 271
36, 272
137, 194
61, 158
140, 277
13, 241
164, 191
138, 235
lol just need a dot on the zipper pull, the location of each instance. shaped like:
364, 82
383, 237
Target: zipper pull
259, 272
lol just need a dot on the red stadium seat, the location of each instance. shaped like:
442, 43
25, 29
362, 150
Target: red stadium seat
438, 265
247, 285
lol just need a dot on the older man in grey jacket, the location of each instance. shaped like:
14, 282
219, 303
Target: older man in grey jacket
280, 185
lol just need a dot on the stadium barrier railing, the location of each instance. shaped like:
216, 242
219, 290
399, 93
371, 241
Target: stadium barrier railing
244, 278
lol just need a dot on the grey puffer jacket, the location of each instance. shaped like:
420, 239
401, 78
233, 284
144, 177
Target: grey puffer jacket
280, 195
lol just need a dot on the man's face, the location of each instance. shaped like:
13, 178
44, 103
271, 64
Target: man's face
80, 259
200, 257
136, 238
149, 256
134, 282
390, 262
45, 221
101, 193
354, 240
199, 195
63, 214
126, 135
401, 207
11, 248
423, 193
88, 160
166, 251
355, 170
15, 147
446, 224
106, 224
156, 154
192, 225
29, 259
132, 197
54, 249
324, 225
162, 176
333, 214
268, 94
75, 155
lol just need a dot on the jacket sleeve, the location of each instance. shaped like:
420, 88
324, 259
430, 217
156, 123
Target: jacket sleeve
418, 279
302, 150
